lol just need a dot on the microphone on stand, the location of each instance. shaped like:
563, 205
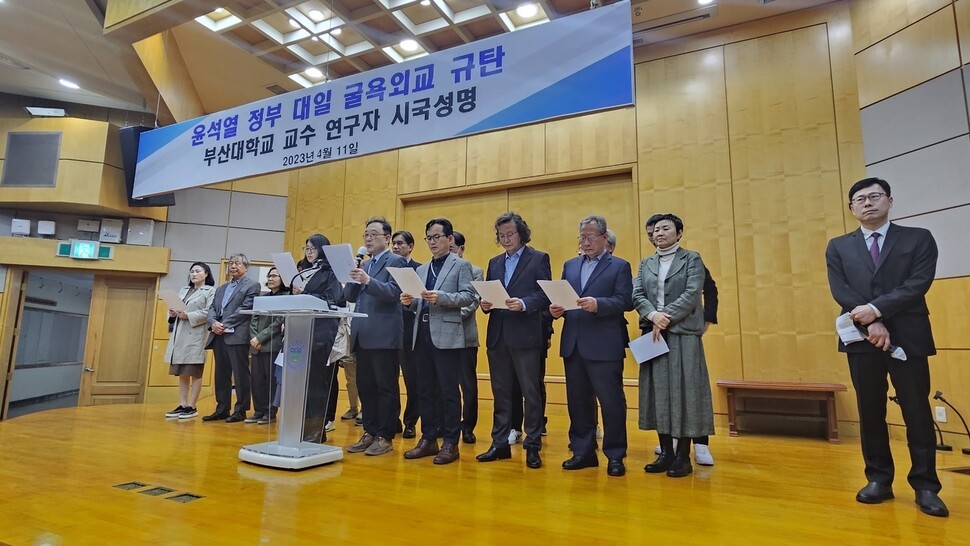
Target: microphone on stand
939, 396
940, 446
361, 254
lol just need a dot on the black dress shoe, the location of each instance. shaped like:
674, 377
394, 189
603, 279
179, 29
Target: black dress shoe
468, 437
874, 493
217, 416
494, 454
930, 503
680, 467
408, 431
662, 463
236, 418
532, 458
616, 468
577, 463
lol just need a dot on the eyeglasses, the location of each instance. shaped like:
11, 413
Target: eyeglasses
586, 238
434, 238
875, 197
507, 236
368, 236
309, 249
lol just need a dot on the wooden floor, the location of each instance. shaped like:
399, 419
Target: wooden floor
60, 468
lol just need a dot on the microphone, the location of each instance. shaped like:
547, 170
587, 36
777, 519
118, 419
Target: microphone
894, 350
361, 253
940, 446
300, 274
939, 396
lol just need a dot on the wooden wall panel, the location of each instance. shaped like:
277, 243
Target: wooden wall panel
962, 10
162, 59
432, 166
947, 300
369, 190
506, 155
590, 141
787, 203
873, 20
81, 139
318, 204
267, 184
684, 168
910, 57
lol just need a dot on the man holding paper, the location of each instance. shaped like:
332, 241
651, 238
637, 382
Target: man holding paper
593, 349
377, 339
438, 337
880, 274
515, 337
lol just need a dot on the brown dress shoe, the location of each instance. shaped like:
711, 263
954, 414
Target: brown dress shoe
361, 445
426, 447
448, 454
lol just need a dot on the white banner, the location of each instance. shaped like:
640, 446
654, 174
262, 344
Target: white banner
582, 63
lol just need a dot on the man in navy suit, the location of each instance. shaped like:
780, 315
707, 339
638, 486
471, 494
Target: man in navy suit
516, 337
377, 339
880, 274
402, 244
593, 349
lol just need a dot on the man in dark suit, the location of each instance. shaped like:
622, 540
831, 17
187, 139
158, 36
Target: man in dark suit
438, 337
402, 244
880, 274
516, 337
377, 339
469, 355
593, 350
229, 340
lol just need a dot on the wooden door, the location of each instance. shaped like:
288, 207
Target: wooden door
118, 345
11, 302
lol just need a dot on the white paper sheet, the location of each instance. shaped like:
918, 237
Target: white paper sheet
286, 267
172, 300
492, 292
408, 280
644, 348
341, 258
560, 293
847, 330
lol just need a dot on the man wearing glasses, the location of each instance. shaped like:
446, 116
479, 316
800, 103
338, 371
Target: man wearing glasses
593, 349
880, 274
516, 337
438, 338
377, 339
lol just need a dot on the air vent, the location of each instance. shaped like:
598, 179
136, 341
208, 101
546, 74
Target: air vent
641, 30
276, 90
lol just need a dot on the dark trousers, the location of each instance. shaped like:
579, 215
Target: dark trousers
586, 379
507, 366
319, 389
232, 363
518, 403
439, 374
409, 369
469, 388
262, 381
378, 389
911, 379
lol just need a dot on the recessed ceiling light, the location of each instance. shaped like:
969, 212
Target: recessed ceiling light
704, 2
220, 10
425, 2
527, 10
313, 72
41, 112
409, 45
336, 32
69, 84
294, 24
315, 14
315, 39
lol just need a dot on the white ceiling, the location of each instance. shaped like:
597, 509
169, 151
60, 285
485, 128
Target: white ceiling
236, 64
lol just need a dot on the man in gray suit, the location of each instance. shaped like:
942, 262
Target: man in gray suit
438, 338
377, 339
469, 355
229, 340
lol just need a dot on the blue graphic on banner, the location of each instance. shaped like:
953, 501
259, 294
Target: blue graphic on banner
574, 65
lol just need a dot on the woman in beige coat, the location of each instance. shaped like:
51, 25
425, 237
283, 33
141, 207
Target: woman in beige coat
186, 346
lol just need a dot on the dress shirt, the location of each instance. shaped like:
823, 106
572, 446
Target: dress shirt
589, 265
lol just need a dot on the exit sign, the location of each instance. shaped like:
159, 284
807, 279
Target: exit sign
81, 249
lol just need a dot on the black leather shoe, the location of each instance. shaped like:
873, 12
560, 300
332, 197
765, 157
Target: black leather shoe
874, 493
236, 418
680, 467
408, 432
468, 437
217, 416
494, 454
616, 468
661, 464
532, 458
577, 463
930, 503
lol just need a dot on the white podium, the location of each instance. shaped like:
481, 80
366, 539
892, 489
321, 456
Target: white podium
290, 451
